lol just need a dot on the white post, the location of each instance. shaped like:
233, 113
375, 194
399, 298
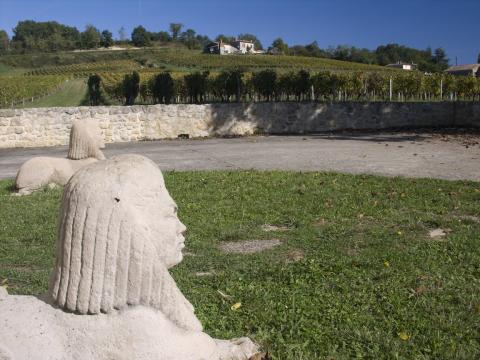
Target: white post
391, 89
441, 89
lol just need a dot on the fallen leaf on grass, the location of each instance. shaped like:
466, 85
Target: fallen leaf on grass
222, 294
236, 306
436, 233
386, 264
420, 290
403, 336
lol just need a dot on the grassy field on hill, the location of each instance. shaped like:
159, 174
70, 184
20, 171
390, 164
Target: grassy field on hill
27, 76
173, 59
71, 93
357, 274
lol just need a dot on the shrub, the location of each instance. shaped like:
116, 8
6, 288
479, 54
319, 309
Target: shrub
264, 83
131, 87
196, 86
163, 88
94, 90
301, 85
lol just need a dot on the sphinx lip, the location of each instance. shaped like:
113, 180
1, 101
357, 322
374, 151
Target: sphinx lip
181, 244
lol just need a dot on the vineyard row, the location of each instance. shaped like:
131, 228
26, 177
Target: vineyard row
295, 86
17, 89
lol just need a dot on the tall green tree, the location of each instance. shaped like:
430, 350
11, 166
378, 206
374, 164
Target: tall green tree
264, 83
162, 36
140, 36
440, 59
280, 46
94, 84
163, 88
106, 39
196, 86
230, 83
188, 37
175, 29
131, 87
302, 84
225, 38
4, 40
90, 38
44, 36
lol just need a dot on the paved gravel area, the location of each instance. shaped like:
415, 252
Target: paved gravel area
452, 157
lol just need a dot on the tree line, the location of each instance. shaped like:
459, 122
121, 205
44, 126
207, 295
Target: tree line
269, 85
427, 60
31, 36
50, 36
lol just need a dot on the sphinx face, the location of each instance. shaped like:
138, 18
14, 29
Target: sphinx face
157, 215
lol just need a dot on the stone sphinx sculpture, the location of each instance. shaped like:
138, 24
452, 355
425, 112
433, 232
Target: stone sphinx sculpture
111, 295
84, 148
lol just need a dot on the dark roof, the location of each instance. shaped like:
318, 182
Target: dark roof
469, 67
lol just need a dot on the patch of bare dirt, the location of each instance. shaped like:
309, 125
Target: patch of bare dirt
270, 227
249, 246
319, 223
352, 251
295, 255
471, 218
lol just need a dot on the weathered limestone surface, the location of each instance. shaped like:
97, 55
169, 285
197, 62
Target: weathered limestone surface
85, 144
111, 295
50, 126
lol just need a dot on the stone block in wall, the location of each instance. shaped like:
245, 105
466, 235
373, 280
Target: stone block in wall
7, 113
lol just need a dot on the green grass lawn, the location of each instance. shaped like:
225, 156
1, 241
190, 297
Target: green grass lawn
71, 93
356, 276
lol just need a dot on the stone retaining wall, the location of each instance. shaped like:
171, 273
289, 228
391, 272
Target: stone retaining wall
51, 126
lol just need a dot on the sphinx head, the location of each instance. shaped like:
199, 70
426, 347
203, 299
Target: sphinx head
86, 140
118, 234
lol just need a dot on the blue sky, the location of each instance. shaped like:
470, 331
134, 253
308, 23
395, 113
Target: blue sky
454, 25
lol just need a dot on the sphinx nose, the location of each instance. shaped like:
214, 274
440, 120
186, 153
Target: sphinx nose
182, 229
